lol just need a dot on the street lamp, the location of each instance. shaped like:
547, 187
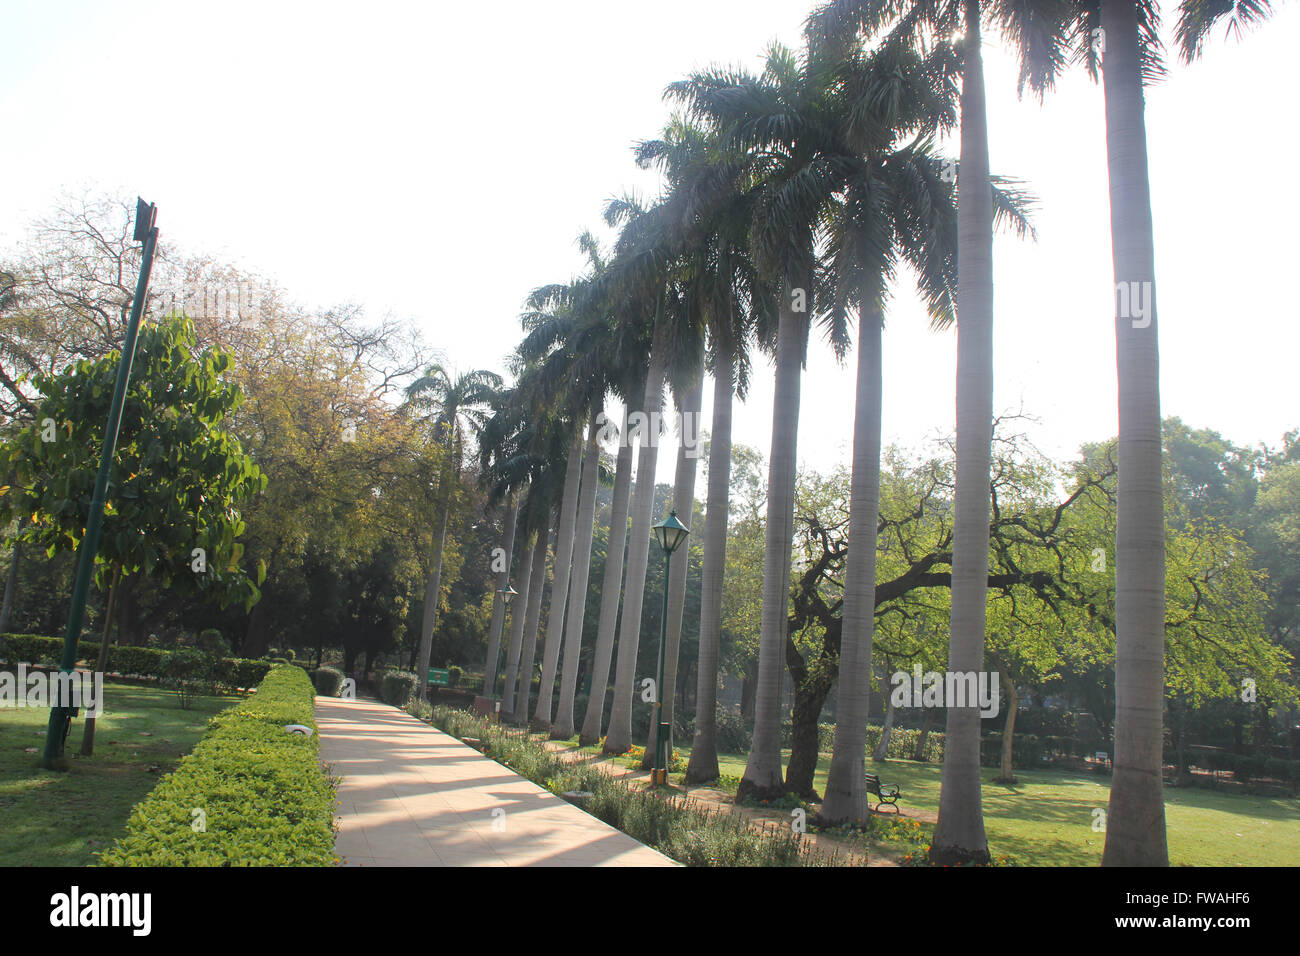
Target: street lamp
670, 533
61, 712
506, 593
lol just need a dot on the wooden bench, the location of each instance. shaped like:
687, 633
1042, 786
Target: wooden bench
887, 794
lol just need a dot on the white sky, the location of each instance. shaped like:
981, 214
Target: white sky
438, 162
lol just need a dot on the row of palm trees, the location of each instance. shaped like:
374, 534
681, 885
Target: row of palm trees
791, 198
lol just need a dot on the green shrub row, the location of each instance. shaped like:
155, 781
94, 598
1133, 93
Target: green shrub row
328, 681
1247, 767
250, 794
684, 831
398, 688
148, 662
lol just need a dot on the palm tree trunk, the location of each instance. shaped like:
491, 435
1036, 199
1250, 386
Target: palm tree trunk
846, 793
518, 613
684, 503
559, 583
762, 779
704, 749
563, 727
432, 592
528, 651
959, 835
1135, 824
491, 663
619, 738
610, 591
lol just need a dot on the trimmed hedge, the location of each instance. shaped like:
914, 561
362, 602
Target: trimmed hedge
327, 680
264, 795
147, 662
397, 688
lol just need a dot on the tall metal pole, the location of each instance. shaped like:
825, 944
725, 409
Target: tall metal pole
62, 712
659, 775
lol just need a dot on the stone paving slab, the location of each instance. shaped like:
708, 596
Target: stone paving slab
411, 795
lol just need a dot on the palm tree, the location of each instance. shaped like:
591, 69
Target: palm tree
1039, 33
1129, 53
458, 408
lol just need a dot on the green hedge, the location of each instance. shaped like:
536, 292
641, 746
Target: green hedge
265, 796
147, 662
397, 688
327, 680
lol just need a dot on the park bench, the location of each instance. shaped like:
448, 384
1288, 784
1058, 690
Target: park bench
887, 794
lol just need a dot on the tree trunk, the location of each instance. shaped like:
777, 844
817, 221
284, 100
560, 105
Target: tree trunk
491, 662
592, 724
882, 747
619, 738
704, 749
518, 612
924, 736
528, 652
1012, 702
762, 778
810, 693
1135, 824
563, 727
11, 592
959, 835
559, 584
432, 591
101, 664
684, 503
846, 793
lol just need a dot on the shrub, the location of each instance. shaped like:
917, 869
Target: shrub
188, 673
454, 675
328, 681
687, 832
397, 688
733, 734
210, 641
263, 795
234, 673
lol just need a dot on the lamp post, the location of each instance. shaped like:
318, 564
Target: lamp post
506, 593
670, 533
61, 713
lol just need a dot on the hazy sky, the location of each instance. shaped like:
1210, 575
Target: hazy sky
438, 161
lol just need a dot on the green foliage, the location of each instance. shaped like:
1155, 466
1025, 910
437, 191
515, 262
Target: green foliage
683, 830
328, 681
397, 687
179, 476
264, 798
211, 642
147, 662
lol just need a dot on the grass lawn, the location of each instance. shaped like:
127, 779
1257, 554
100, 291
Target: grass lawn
63, 819
1046, 818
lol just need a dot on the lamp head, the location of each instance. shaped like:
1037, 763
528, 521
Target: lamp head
670, 533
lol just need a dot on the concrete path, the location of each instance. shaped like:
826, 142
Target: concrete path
414, 796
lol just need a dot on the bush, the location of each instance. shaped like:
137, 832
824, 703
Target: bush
398, 688
328, 681
210, 641
234, 673
733, 734
454, 675
188, 673
263, 796
681, 830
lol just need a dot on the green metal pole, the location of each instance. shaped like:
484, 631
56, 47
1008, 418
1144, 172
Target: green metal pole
61, 713
660, 774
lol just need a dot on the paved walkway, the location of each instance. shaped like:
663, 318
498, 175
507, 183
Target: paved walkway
414, 796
